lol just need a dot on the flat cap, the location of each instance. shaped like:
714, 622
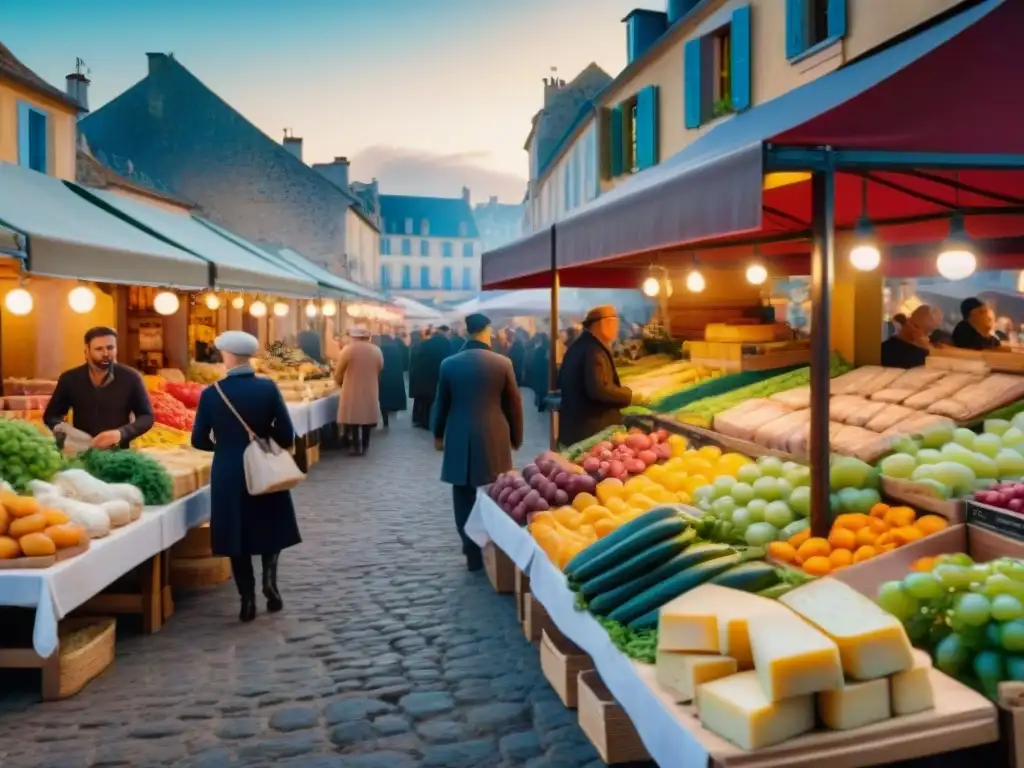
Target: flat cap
443, 328
600, 313
476, 322
359, 333
237, 343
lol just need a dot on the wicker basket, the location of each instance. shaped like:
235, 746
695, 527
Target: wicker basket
196, 544
200, 572
79, 666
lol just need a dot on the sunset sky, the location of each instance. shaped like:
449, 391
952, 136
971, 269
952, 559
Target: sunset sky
427, 95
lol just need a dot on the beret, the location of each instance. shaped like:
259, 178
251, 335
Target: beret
237, 343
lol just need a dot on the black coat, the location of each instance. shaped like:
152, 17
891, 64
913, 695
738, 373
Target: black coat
241, 524
392, 380
403, 348
517, 354
539, 370
425, 365
479, 413
592, 396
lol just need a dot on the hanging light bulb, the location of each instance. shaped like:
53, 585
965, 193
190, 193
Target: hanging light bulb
695, 281
329, 308
311, 310
258, 309
280, 309
212, 301
756, 274
165, 303
864, 255
956, 259
18, 302
81, 299
238, 302
651, 286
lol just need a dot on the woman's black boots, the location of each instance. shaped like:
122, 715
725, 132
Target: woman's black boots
270, 591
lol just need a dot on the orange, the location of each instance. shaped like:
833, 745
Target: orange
863, 553
605, 526
569, 517
617, 506
852, 521
866, 537
886, 547
906, 534
841, 538
929, 524
587, 532
583, 500
818, 566
878, 525
641, 502
683, 497
923, 564
595, 512
840, 558
799, 538
900, 516
814, 547
782, 551
885, 539
879, 510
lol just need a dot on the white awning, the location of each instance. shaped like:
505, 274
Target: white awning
235, 268
416, 311
70, 237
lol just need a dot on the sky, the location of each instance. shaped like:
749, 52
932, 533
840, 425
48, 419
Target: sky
425, 95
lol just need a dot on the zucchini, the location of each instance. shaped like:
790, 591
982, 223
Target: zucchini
617, 536
647, 621
748, 577
777, 591
638, 564
640, 541
652, 599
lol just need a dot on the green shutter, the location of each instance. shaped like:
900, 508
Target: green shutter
615, 164
739, 72
647, 127
691, 83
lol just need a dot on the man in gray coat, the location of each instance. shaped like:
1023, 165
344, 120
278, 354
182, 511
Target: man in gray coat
477, 422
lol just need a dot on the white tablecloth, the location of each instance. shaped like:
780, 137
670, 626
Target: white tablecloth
300, 418
310, 416
487, 522
56, 591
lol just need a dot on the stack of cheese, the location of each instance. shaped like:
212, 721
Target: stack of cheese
758, 670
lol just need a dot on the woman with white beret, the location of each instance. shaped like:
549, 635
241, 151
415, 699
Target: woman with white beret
358, 374
241, 526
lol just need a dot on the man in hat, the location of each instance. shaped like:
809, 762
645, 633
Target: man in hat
423, 374
477, 422
592, 396
977, 329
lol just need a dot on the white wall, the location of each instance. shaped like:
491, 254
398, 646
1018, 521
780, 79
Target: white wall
362, 244
436, 263
571, 184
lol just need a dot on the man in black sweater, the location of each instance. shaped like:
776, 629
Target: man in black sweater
104, 395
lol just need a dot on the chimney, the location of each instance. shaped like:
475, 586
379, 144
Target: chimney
466, 195
292, 143
676, 9
78, 89
335, 172
552, 86
157, 62
492, 200
643, 28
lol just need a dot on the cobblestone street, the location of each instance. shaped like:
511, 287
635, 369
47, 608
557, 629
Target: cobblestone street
388, 653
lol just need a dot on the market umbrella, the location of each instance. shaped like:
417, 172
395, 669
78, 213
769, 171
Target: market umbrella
416, 311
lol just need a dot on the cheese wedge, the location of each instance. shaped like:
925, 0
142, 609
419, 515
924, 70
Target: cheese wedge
792, 658
855, 705
734, 612
681, 673
911, 689
736, 708
872, 643
712, 619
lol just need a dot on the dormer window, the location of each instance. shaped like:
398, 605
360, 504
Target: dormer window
408, 226
424, 228
463, 229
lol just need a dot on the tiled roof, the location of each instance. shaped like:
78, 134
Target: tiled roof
90, 172
443, 214
11, 67
566, 111
174, 128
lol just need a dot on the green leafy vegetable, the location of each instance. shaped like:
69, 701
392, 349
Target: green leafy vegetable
26, 454
128, 466
639, 644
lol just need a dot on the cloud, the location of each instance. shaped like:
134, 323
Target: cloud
403, 171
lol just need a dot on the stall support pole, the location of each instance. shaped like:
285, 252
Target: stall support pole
822, 268
553, 343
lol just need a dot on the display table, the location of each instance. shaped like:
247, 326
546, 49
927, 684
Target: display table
488, 523
312, 415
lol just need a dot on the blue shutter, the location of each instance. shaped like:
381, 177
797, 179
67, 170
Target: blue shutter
446, 278
37, 143
836, 18
647, 127
385, 277
24, 137
796, 28
615, 141
424, 277
467, 278
407, 276
741, 60
691, 83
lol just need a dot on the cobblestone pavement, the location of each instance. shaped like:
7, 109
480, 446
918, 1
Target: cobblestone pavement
388, 653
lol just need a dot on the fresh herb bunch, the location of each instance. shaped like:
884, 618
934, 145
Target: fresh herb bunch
128, 466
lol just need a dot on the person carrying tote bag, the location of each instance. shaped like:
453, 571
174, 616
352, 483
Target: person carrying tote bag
244, 421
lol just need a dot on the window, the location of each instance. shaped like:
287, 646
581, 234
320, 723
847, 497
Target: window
32, 138
406, 277
716, 76
408, 226
385, 277
817, 22
424, 277
424, 247
813, 23
385, 246
467, 278
463, 229
424, 228
467, 250
406, 246
446, 278
630, 131
720, 74
446, 249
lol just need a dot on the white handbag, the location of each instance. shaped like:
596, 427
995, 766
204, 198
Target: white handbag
268, 467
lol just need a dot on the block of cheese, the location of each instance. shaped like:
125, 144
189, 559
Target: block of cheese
737, 709
792, 658
734, 611
872, 643
855, 704
681, 673
723, 332
911, 689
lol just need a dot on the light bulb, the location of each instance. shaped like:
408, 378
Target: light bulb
311, 310
280, 309
81, 299
865, 257
165, 303
329, 308
756, 274
651, 286
18, 302
258, 309
238, 302
212, 301
956, 262
695, 282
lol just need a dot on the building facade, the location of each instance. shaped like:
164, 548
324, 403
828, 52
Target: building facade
429, 248
498, 223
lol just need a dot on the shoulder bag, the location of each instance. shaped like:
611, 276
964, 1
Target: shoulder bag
268, 467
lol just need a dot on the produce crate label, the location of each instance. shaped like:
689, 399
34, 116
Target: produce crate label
998, 520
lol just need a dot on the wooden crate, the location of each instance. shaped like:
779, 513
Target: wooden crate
535, 618
196, 544
1011, 722
522, 589
313, 455
606, 724
199, 572
562, 661
500, 570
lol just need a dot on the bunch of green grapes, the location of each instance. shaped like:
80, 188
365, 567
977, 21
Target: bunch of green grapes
969, 615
